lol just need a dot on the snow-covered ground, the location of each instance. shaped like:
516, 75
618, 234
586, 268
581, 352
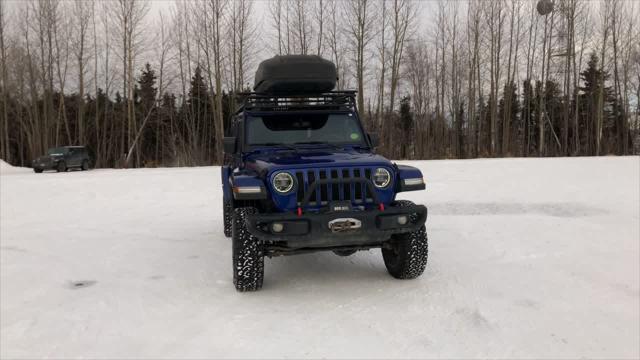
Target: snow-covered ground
6, 169
529, 258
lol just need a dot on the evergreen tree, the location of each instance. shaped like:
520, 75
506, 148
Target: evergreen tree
509, 91
534, 126
483, 128
145, 98
406, 125
526, 116
146, 88
553, 107
619, 141
460, 143
484, 133
593, 78
197, 121
198, 92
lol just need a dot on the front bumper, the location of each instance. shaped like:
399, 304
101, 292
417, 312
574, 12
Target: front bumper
48, 165
312, 230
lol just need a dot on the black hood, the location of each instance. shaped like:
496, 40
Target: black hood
304, 158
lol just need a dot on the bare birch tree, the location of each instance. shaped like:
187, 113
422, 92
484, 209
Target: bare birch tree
242, 36
129, 15
277, 19
82, 14
402, 26
605, 23
335, 42
320, 11
359, 26
302, 26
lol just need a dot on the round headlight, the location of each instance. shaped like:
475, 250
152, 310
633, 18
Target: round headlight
283, 182
381, 178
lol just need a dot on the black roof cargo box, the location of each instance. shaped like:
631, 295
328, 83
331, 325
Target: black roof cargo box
295, 74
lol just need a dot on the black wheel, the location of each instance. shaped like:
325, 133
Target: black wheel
344, 252
405, 255
227, 214
37, 171
85, 164
62, 167
248, 253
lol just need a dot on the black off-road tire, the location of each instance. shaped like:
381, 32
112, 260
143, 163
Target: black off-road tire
37, 171
227, 216
248, 253
62, 167
85, 164
406, 254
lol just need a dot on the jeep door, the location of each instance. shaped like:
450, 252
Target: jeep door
73, 157
83, 155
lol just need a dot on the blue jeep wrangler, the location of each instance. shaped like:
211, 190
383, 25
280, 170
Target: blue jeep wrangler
301, 175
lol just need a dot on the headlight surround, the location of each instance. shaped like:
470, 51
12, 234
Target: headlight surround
381, 178
282, 182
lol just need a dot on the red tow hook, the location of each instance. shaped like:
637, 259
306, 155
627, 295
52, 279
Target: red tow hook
299, 211
381, 206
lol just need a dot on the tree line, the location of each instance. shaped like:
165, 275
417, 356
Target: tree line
149, 86
496, 78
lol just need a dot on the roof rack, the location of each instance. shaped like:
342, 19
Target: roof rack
333, 100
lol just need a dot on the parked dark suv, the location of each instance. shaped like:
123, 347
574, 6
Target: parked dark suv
63, 158
301, 175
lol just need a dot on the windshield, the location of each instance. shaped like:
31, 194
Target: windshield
292, 128
57, 151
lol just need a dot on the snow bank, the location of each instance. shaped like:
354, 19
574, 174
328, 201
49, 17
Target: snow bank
8, 169
4, 166
529, 258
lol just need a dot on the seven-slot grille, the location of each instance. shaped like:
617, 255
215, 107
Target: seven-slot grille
358, 193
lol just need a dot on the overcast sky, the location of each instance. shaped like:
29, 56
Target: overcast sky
426, 11
260, 15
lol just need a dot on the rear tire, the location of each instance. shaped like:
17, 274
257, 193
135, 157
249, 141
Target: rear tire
85, 164
37, 171
227, 217
406, 254
62, 166
248, 253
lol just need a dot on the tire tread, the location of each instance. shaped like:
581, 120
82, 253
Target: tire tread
248, 254
413, 249
227, 210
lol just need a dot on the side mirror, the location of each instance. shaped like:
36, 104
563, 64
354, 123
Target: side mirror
229, 144
373, 140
